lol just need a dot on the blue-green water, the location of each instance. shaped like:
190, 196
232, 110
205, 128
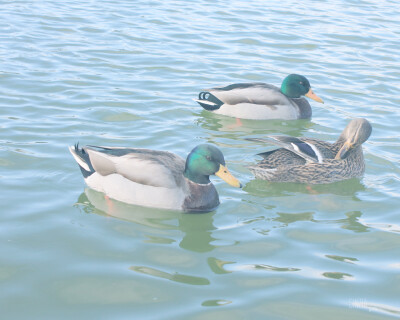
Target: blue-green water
124, 73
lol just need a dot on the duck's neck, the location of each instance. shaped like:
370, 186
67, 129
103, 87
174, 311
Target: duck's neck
305, 111
195, 177
339, 142
201, 198
354, 152
337, 145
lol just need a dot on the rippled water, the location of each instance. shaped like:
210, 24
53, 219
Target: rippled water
124, 73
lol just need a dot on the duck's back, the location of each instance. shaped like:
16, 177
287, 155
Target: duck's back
136, 176
257, 92
142, 166
259, 101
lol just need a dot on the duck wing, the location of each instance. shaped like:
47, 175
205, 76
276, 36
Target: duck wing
309, 149
279, 158
254, 93
143, 166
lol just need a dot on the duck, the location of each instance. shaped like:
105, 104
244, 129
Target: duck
152, 178
261, 101
313, 161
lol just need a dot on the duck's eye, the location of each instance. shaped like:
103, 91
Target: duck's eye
301, 82
208, 158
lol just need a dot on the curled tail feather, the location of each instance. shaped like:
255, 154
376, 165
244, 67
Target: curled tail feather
82, 158
208, 101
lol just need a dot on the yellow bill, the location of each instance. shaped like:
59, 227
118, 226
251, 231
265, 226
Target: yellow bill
310, 94
225, 175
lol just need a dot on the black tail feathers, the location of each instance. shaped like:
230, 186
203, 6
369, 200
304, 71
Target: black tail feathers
207, 96
83, 156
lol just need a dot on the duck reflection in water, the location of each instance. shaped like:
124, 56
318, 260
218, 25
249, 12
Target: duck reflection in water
263, 188
229, 126
197, 228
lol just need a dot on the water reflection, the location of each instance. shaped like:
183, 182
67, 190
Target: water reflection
176, 277
388, 227
287, 218
218, 123
215, 303
352, 222
198, 231
218, 265
387, 309
262, 188
265, 267
196, 228
338, 275
96, 202
342, 259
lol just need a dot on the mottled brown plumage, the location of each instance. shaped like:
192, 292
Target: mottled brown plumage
313, 161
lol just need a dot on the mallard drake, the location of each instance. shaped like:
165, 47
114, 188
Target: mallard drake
154, 178
314, 161
261, 101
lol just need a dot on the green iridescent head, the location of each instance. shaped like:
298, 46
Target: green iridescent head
295, 86
205, 160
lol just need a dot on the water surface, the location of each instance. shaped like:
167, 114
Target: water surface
124, 73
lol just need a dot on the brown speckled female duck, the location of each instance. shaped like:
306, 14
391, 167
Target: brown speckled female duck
313, 161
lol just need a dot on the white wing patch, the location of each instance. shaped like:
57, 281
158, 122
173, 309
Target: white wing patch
295, 147
320, 158
317, 152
